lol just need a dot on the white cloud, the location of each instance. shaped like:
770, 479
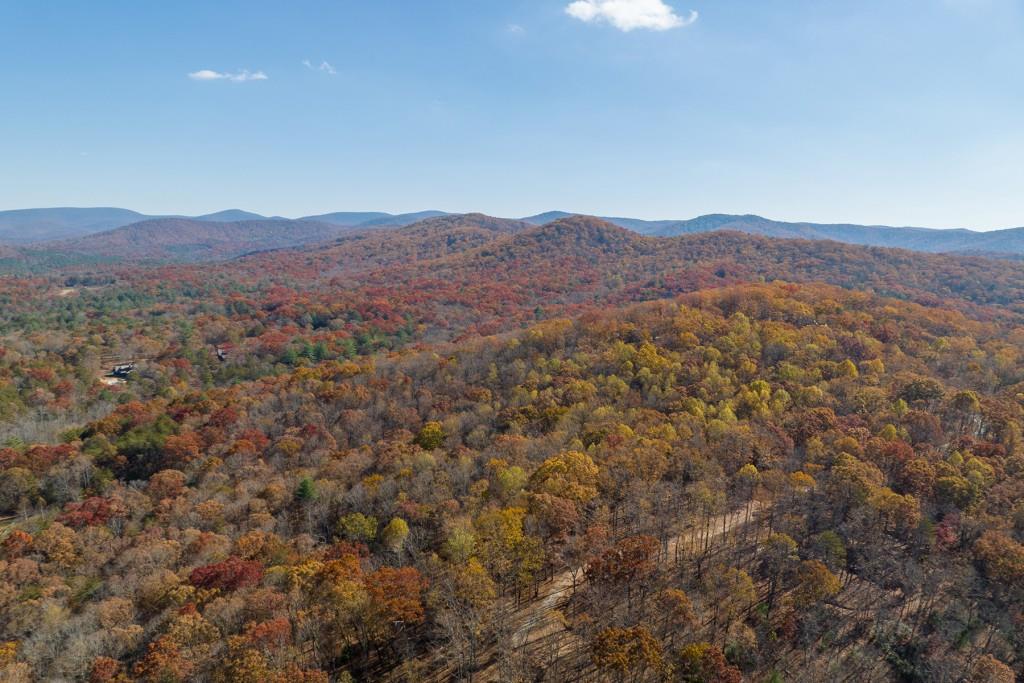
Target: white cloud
325, 66
515, 29
627, 15
237, 77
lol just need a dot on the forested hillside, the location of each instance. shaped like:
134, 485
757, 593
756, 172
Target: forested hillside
176, 238
478, 449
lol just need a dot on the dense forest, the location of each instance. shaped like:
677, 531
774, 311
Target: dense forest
477, 449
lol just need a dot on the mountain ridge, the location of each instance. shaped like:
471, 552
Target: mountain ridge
192, 239
25, 226
35, 226
932, 240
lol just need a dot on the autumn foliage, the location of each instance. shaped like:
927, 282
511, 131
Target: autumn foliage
229, 575
484, 450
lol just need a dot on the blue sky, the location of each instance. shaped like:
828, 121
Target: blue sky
896, 111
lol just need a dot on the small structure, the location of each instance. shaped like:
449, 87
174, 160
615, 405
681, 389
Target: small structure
122, 370
222, 354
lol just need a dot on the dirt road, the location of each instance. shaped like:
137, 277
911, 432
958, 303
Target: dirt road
541, 618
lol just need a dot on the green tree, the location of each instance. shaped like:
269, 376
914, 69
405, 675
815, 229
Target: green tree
306, 491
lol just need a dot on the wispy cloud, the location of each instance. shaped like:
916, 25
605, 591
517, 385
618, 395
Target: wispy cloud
627, 15
324, 66
237, 77
515, 29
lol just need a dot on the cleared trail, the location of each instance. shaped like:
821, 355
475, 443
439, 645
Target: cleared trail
541, 619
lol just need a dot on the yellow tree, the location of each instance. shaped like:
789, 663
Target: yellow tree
626, 653
511, 556
816, 582
571, 475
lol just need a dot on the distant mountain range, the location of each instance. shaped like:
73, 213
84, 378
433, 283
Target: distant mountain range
191, 239
994, 242
25, 226
85, 230
1008, 241
367, 219
580, 256
31, 226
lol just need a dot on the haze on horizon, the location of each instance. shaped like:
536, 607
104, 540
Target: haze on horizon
892, 113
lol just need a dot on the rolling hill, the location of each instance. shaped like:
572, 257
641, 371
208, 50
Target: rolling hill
24, 226
232, 215
368, 219
919, 239
188, 239
370, 249
514, 384
31, 226
644, 227
206, 239
996, 242
348, 218
584, 259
